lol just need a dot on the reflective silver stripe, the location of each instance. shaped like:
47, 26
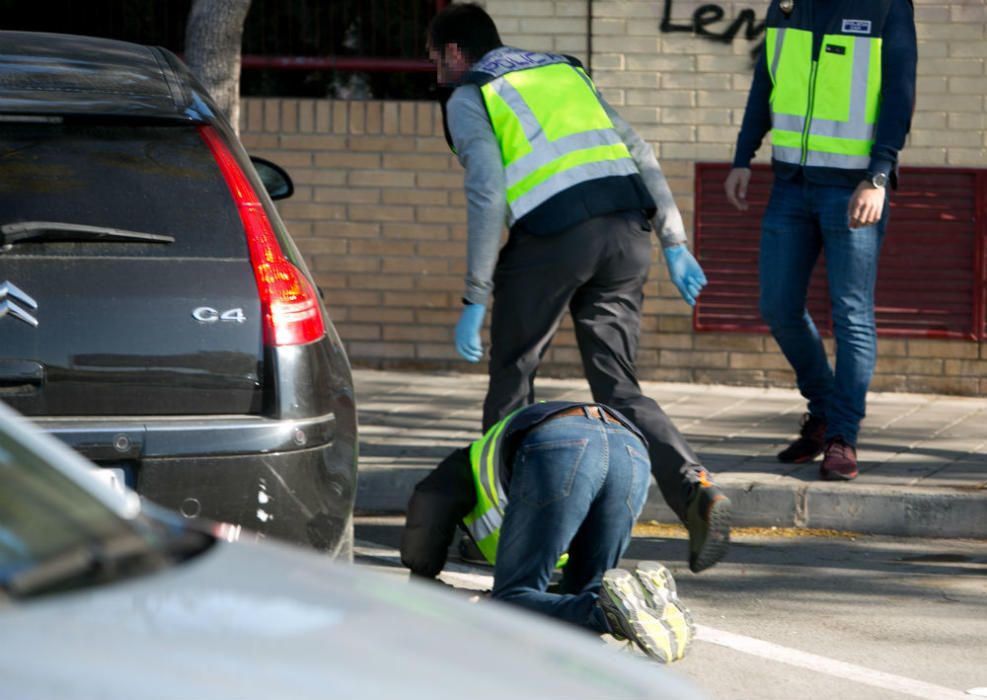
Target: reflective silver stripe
824, 127
510, 95
858, 89
788, 122
491, 453
566, 179
777, 57
841, 130
548, 151
856, 126
787, 154
837, 160
486, 525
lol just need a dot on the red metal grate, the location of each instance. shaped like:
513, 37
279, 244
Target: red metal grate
932, 275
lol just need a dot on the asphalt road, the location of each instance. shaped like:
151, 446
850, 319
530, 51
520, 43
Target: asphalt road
809, 617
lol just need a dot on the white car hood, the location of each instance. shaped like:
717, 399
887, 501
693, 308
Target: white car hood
265, 621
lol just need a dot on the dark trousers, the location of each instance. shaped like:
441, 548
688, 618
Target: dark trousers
597, 270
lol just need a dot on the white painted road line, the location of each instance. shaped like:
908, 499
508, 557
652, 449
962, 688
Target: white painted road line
455, 574
472, 578
468, 580
362, 548
832, 667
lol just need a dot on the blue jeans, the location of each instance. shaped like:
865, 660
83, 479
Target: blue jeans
578, 484
801, 220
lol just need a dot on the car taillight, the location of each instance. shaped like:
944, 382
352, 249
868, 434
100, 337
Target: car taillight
288, 304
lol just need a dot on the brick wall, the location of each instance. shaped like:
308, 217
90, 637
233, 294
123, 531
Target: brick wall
379, 211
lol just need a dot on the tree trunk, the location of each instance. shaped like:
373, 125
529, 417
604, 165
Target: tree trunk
213, 37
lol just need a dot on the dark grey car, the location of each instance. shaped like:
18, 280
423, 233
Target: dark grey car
154, 313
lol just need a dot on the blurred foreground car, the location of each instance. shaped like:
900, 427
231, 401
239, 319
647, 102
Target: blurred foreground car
154, 313
101, 597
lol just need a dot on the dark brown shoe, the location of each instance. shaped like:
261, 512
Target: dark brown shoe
840, 462
707, 518
810, 443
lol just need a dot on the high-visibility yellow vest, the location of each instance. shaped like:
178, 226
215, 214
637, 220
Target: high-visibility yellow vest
488, 467
556, 141
486, 462
824, 112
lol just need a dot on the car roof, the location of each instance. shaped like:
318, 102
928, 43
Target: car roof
65, 74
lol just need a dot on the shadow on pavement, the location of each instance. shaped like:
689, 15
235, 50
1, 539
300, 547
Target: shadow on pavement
758, 567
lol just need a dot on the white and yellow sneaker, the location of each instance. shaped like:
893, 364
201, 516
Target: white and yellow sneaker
644, 607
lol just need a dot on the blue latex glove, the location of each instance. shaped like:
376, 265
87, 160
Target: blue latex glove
468, 343
685, 272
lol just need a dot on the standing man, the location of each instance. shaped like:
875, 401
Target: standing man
550, 482
837, 91
580, 192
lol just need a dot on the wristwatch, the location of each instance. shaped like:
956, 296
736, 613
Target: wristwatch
879, 180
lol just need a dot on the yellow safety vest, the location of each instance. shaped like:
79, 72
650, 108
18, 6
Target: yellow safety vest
484, 521
487, 464
555, 137
824, 112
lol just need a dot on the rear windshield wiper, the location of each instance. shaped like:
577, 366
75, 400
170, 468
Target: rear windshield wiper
61, 231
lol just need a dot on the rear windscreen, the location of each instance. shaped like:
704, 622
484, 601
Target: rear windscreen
156, 179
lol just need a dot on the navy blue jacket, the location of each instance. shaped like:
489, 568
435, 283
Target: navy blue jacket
899, 57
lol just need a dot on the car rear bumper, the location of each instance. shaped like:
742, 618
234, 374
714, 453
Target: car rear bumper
113, 438
294, 480
304, 496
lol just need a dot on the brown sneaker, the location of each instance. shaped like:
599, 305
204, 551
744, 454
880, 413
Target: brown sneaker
840, 462
810, 443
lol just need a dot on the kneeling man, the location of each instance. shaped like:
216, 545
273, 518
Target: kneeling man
554, 483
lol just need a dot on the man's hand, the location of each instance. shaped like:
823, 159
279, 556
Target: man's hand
686, 274
866, 205
468, 343
736, 187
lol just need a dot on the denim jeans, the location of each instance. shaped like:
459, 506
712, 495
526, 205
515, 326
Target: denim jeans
578, 485
801, 220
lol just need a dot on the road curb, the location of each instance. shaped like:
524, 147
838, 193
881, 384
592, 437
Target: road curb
881, 510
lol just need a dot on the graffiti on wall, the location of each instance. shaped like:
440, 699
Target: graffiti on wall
706, 16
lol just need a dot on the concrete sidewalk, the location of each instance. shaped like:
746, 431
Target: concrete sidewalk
923, 457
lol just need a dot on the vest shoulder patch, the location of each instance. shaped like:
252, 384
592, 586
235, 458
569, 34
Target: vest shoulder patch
856, 26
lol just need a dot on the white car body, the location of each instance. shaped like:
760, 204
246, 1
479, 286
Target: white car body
260, 620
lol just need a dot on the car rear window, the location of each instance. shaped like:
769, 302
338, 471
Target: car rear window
158, 179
